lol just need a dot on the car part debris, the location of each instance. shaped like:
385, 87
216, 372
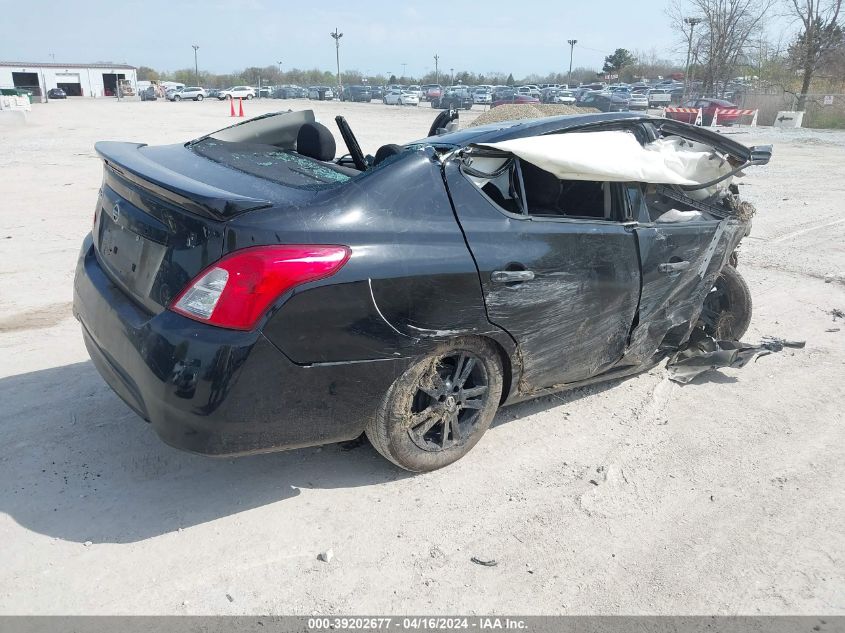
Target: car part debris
484, 562
326, 556
703, 353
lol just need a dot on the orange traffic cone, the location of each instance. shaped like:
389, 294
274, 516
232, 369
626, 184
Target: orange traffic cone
231, 107
240, 107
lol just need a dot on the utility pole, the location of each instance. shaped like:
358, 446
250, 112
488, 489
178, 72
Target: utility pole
572, 44
196, 66
280, 70
403, 69
451, 76
436, 68
692, 22
336, 36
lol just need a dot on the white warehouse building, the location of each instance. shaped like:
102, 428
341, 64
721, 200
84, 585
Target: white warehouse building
77, 80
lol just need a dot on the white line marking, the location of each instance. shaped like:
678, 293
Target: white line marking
789, 236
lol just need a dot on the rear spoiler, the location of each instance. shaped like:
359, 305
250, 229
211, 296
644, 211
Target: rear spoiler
127, 161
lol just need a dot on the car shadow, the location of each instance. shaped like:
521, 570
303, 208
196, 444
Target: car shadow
79, 465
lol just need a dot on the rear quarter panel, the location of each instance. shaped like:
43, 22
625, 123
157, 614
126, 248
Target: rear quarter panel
410, 283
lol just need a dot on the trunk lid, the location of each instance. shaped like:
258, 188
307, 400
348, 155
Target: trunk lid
156, 228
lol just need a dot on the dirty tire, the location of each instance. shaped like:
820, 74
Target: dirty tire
727, 309
455, 391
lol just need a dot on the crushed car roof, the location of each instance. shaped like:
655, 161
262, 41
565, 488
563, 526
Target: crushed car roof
507, 130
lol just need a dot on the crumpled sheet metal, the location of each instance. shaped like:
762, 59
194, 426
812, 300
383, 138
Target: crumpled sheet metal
703, 353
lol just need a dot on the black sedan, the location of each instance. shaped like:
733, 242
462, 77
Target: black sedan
56, 93
248, 291
457, 99
605, 101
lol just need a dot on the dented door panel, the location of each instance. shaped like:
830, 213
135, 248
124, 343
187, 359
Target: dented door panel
571, 316
680, 264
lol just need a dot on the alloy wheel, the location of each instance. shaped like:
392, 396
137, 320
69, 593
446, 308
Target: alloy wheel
446, 406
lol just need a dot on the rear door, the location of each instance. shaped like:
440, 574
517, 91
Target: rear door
565, 288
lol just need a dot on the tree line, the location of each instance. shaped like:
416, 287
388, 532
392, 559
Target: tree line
720, 40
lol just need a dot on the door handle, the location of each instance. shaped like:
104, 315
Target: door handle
672, 267
511, 276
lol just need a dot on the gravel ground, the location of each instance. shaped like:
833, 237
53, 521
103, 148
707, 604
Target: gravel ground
723, 496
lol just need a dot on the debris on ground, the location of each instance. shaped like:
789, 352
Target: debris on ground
703, 353
836, 313
229, 597
87, 543
512, 111
484, 562
832, 329
326, 556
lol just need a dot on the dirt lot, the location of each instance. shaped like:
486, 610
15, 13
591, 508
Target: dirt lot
639, 496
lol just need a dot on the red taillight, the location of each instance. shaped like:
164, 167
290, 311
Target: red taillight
236, 291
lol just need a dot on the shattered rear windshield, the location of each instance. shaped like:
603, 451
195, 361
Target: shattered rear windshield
270, 162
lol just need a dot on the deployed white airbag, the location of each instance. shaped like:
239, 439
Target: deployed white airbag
617, 156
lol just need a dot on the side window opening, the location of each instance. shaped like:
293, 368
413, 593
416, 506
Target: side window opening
666, 205
498, 179
548, 196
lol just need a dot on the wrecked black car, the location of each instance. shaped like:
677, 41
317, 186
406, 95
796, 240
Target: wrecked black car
248, 291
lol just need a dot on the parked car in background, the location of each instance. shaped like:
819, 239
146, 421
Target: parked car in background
148, 94
56, 93
708, 107
659, 97
432, 91
557, 95
401, 97
377, 93
566, 97
320, 93
212, 93
194, 93
638, 101
482, 96
417, 90
237, 92
289, 92
454, 98
170, 93
362, 94
605, 101
509, 95
264, 92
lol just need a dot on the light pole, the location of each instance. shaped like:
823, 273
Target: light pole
436, 68
692, 22
451, 76
403, 69
196, 67
572, 44
280, 70
336, 36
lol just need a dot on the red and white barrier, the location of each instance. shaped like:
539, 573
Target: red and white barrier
699, 119
734, 112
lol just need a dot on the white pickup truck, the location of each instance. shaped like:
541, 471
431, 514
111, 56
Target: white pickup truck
659, 98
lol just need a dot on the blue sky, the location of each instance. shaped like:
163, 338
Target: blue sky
481, 36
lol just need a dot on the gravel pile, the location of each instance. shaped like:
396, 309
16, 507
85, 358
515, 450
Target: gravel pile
513, 111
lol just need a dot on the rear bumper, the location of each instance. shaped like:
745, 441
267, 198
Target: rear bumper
215, 391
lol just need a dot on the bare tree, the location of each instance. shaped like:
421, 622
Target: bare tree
821, 33
726, 27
